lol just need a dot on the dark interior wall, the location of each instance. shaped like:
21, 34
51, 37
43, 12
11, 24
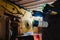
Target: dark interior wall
52, 32
2, 28
2, 24
57, 4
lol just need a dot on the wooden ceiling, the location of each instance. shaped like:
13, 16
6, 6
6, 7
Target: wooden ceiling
33, 4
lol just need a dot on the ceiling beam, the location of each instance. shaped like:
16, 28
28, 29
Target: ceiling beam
27, 1
36, 3
39, 5
37, 8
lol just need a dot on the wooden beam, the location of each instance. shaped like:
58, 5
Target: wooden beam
39, 5
27, 1
36, 3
